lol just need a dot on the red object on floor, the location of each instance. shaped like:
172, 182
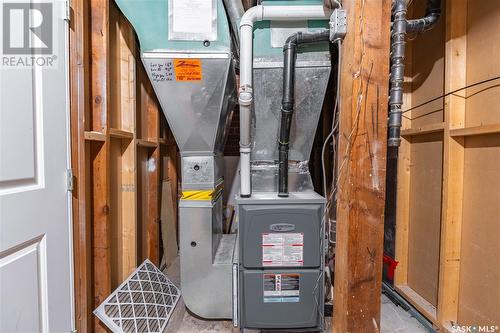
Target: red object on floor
391, 266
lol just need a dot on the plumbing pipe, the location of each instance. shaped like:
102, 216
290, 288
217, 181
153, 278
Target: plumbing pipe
235, 11
252, 15
287, 104
400, 27
432, 15
398, 44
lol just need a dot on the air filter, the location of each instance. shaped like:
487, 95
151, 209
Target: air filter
144, 302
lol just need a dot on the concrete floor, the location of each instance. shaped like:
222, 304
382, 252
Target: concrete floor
393, 318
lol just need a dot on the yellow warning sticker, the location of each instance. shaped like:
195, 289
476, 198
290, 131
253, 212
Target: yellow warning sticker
187, 69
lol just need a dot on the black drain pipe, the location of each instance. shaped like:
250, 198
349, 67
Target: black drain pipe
287, 103
401, 26
432, 15
398, 45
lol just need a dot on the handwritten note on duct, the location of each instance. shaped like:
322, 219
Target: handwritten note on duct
161, 72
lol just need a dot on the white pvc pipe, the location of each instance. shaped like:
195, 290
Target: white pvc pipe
254, 14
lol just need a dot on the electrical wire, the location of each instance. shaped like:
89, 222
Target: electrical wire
453, 92
334, 127
320, 308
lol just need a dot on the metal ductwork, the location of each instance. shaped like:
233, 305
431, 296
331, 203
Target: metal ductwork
190, 66
263, 149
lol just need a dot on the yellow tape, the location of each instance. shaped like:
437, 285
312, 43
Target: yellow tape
203, 194
198, 195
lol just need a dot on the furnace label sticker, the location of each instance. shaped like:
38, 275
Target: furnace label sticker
188, 69
281, 288
161, 72
282, 249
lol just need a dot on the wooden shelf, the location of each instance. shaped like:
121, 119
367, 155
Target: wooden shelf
476, 130
423, 130
146, 143
120, 134
94, 136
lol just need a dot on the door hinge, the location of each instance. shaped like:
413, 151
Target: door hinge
67, 10
69, 180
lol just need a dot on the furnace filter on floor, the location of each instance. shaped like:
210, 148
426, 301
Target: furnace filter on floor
143, 303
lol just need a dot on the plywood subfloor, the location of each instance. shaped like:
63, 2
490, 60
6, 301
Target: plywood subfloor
394, 318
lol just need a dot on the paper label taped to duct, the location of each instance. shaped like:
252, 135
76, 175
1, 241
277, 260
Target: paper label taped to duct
193, 20
281, 288
282, 249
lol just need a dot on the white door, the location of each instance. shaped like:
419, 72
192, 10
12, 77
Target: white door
35, 231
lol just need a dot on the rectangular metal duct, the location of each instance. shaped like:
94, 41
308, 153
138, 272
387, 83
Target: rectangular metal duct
196, 110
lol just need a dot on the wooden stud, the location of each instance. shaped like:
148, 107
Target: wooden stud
128, 223
100, 154
403, 212
153, 172
362, 161
79, 89
123, 157
453, 163
153, 221
101, 235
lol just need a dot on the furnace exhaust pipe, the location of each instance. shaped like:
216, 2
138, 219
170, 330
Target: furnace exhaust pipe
287, 103
254, 14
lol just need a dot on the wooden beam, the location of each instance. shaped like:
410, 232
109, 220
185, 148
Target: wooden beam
453, 163
362, 163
